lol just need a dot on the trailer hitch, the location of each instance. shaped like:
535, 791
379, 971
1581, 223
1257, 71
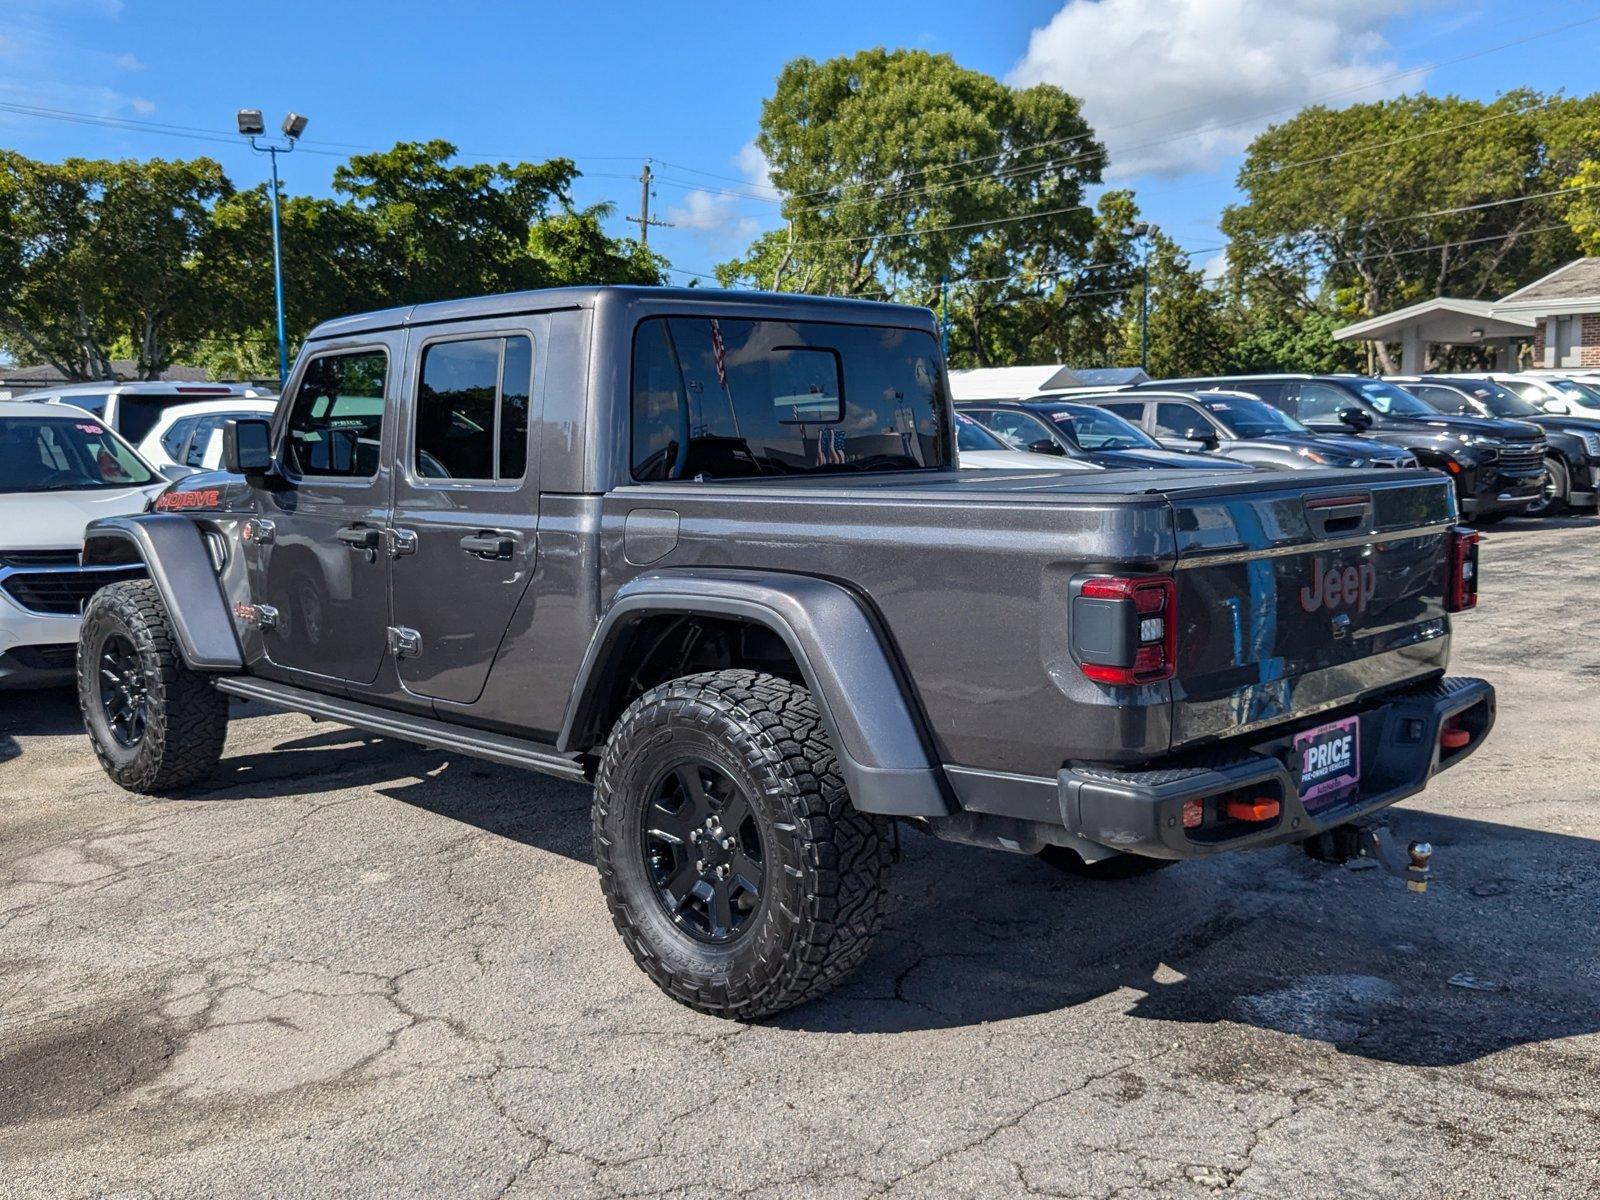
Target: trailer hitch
1377, 842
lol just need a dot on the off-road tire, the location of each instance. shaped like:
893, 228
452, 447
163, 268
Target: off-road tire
186, 719
821, 902
1118, 866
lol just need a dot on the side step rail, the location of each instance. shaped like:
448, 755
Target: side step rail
408, 727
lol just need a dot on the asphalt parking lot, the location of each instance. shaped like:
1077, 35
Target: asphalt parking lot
350, 967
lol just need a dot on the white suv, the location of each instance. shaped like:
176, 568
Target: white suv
131, 409
188, 437
60, 468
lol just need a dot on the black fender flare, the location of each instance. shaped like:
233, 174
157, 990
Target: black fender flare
870, 719
174, 555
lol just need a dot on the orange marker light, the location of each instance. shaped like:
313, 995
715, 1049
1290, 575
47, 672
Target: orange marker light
1454, 739
1262, 808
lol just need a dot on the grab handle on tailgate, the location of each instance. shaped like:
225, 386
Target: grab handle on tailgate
1337, 516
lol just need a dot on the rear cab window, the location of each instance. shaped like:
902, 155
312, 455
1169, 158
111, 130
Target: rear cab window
731, 398
472, 409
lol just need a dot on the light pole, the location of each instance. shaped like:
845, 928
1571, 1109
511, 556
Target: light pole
1143, 231
251, 126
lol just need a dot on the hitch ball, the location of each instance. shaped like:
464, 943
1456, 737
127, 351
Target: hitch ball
1417, 878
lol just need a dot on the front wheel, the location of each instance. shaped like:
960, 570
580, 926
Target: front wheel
155, 725
1552, 501
741, 878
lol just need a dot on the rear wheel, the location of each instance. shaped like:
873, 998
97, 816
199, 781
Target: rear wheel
155, 725
736, 869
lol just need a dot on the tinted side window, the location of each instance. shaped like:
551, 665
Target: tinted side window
194, 454
1177, 420
1323, 401
727, 398
1132, 413
177, 433
1444, 399
1020, 430
472, 409
336, 422
1272, 391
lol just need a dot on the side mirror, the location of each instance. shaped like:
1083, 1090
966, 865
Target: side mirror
1356, 418
1203, 436
1556, 408
247, 446
1045, 446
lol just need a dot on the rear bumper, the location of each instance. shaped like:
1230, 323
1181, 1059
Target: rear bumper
1141, 812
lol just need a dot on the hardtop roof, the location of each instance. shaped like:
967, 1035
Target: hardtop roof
646, 299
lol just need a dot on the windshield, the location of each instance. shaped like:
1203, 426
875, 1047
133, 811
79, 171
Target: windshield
1500, 401
1092, 429
1387, 398
1247, 417
60, 454
1583, 393
725, 398
972, 436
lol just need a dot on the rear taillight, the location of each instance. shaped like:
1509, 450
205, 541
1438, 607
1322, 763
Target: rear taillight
1124, 630
1461, 582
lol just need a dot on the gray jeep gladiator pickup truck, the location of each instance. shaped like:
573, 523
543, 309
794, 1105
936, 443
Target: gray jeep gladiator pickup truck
709, 552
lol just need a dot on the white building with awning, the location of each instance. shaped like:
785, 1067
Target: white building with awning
1445, 321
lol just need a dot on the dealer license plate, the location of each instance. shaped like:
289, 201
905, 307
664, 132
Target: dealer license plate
1330, 762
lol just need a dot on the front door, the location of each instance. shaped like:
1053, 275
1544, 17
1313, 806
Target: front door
321, 563
466, 505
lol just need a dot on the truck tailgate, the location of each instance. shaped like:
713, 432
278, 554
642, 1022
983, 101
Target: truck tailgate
1292, 601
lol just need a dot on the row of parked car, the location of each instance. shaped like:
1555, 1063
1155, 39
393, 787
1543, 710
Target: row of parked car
1515, 444
69, 456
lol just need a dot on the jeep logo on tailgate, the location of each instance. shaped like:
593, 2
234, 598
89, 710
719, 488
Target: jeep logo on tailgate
1339, 586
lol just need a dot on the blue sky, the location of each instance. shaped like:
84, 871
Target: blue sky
1176, 87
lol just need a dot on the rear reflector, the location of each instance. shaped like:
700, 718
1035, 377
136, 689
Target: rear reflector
1258, 808
1194, 814
1461, 579
1125, 630
1454, 739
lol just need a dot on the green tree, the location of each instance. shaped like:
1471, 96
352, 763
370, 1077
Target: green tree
899, 168
1189, 333
1356, 211
101, 253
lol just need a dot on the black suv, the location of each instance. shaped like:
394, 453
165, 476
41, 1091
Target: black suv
1243, 428
1573, 460
1498, 466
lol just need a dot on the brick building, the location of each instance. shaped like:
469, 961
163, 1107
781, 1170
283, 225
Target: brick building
1565, 306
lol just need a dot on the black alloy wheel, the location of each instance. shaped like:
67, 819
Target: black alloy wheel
702, 849
124, 690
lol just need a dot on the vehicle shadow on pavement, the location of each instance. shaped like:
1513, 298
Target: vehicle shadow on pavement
1488, 959
547, 814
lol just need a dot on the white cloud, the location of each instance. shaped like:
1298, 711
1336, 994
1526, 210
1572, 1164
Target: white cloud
715, 219
1175, 86
753, 165
142, 106
40, 66
129, 62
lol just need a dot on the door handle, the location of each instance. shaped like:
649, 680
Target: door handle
359, 537
494, 544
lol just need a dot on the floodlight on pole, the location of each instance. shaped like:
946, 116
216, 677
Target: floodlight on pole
252, 126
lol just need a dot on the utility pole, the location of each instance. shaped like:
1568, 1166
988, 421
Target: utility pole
643, 220
1143, 231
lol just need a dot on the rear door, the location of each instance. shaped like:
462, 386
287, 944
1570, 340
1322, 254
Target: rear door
322, 565
466, 504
